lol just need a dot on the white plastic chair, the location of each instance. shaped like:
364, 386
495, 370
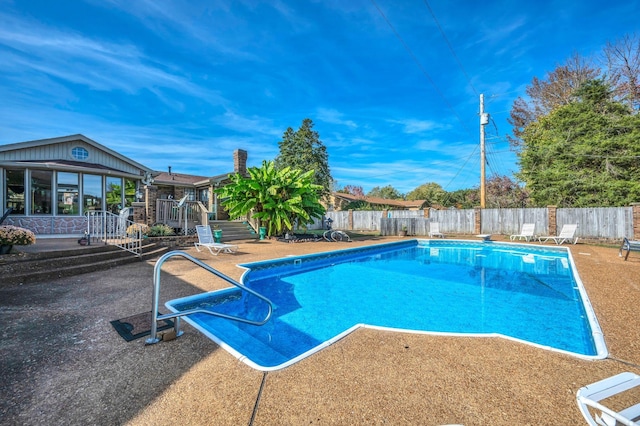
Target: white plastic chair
567, 234
526, 233
434, 230
591, 395
205, 239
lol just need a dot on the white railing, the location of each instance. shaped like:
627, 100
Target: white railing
115, 229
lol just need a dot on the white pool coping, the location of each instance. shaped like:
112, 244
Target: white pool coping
598, 337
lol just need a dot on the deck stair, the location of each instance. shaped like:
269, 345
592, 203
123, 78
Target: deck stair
27, 268
233, 230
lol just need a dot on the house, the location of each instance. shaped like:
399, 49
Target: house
52, 184
340, 200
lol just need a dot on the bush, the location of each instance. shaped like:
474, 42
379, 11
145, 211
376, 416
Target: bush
160, 230
132, 229
15, 236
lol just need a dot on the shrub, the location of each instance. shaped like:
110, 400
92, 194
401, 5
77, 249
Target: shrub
132, 229
15, 236
160, 230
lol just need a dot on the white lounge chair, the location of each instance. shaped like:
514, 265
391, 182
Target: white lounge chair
434, 230
205, 239
567, 234
591, 395
526, 233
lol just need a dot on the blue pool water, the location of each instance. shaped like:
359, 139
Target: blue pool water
522, 292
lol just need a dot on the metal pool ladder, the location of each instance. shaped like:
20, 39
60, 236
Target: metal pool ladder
156, 298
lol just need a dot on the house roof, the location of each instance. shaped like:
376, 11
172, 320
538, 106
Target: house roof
178, 179
71, 138
381, 201
70, 166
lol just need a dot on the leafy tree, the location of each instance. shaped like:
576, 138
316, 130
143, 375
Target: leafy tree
277, 198
556, 90
364, 205
501, 192
358, 191
462, 198
583, 154
431, 192
303, 150
387, 192
114, 195
622, 62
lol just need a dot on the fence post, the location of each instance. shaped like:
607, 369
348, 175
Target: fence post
636, 220
350, 220
426, 212
477, 226
553, 221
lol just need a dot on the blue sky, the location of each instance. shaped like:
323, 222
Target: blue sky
185, 83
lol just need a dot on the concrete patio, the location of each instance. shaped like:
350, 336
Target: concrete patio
63, 363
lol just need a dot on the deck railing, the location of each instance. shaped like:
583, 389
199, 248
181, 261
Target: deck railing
192, 213
115, 229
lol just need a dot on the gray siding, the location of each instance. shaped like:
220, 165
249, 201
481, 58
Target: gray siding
62, 151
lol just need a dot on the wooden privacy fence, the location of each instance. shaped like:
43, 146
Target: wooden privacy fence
600, 223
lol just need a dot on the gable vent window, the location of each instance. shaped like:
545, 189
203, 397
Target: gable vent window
80, 153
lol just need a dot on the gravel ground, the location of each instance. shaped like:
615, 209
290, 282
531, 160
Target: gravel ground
62, 363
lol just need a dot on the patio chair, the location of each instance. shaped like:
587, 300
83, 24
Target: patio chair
526, 233
567, 234
205, 239
629, 246
590, 396
434, 230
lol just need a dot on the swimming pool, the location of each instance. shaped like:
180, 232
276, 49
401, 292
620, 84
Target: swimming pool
527, 293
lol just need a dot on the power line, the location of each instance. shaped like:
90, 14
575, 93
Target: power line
433, 15
415, 59
462, 167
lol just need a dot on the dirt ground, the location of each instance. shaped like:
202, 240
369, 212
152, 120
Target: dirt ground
62, 363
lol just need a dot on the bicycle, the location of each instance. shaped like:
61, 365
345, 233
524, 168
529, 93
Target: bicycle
336, 236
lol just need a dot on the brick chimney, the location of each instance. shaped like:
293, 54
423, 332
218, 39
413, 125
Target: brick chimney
240, 161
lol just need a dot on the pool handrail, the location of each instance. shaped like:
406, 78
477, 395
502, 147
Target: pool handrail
153, 338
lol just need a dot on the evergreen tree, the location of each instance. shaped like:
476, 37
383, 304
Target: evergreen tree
303, 150
583, 154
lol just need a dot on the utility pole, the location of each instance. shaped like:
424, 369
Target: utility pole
484, 120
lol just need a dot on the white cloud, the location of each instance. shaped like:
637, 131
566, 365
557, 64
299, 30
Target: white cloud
334, 117
412, 126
